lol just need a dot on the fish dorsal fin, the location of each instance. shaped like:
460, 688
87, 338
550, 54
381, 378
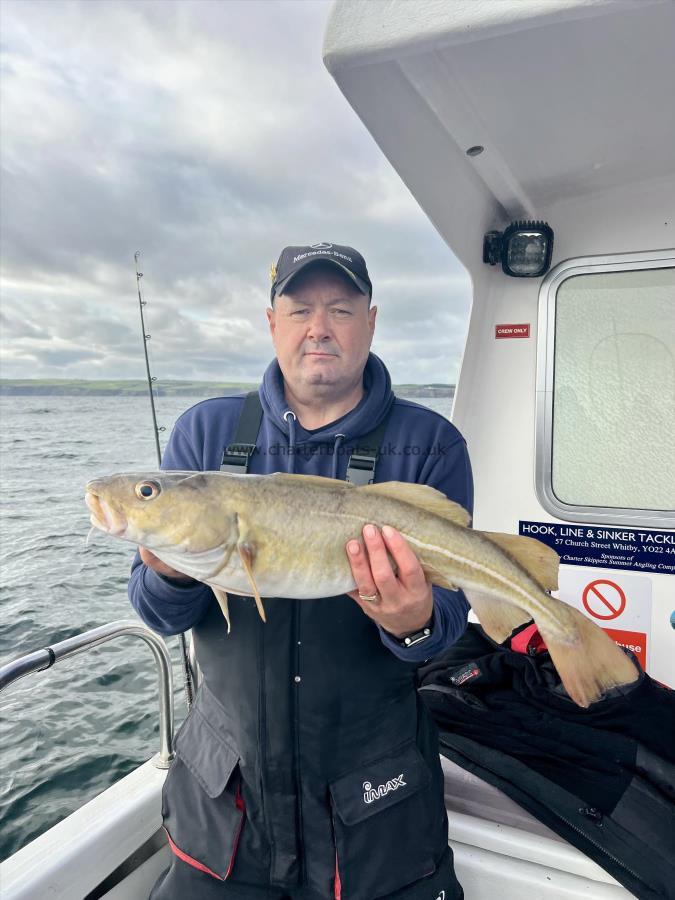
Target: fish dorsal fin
540, 561
423, 496
318, 480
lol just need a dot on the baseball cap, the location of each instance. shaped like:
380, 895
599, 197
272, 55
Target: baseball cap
294, 259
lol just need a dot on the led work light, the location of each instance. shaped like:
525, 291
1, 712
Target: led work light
524, 249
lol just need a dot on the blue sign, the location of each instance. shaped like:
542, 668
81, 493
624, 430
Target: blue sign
607, 546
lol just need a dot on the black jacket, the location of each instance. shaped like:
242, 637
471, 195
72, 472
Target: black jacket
600, 777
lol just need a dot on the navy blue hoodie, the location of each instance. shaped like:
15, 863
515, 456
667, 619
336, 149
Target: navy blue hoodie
418, 446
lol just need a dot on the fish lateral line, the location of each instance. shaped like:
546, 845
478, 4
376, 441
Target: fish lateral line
473, 564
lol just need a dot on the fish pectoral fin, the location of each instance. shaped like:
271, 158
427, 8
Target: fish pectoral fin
591, 666
221, 597
539, 560
422, 496
246, 554
498, 617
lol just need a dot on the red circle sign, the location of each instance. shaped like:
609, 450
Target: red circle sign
604, 599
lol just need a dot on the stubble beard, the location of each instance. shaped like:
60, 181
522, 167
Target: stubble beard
326, 386
321, 384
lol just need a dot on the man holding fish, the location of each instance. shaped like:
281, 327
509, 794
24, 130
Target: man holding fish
307, 768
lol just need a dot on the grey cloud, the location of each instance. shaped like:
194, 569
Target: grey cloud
14, 328
48, 356
208, 135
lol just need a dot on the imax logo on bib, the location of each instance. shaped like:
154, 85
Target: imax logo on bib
370, 793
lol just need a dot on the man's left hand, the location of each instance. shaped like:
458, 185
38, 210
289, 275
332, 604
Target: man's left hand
404, 601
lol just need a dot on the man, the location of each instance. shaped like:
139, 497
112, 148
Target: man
307, 769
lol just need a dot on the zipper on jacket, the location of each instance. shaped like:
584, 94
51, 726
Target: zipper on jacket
262, 735
296, 726
594, 814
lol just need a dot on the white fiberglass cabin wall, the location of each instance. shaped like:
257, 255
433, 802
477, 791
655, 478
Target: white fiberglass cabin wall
567, 388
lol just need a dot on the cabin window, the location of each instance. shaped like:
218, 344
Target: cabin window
609, 434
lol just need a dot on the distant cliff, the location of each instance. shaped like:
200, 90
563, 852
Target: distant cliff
74, 387
424, 390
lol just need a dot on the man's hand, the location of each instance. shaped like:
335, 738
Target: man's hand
405, 601
155, 563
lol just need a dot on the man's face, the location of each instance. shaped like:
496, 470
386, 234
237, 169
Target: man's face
322, 330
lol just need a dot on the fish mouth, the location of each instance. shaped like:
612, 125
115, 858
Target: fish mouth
103, 516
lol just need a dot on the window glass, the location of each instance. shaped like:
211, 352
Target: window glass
614, 390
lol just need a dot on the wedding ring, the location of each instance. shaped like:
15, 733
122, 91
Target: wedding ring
370, 598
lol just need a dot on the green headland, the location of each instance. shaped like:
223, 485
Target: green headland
131, 388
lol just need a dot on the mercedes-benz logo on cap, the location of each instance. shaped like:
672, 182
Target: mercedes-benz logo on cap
321, 246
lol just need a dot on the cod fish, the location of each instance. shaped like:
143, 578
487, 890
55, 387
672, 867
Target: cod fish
284, 535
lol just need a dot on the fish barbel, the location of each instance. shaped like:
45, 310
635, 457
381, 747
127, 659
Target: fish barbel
284, 535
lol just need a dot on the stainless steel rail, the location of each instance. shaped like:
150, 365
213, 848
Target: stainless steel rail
43, 659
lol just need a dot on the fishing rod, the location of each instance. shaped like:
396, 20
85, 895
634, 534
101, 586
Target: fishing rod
187, 672
146, 338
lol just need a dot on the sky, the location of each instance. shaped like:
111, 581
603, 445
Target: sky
207, 135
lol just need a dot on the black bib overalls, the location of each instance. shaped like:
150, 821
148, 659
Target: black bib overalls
307, 763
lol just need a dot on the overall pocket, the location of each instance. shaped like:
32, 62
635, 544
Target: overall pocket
202, 806
386, 821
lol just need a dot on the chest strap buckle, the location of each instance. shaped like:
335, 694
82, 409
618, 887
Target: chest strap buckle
236, 458
361, 469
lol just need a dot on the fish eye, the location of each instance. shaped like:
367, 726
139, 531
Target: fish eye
147, 490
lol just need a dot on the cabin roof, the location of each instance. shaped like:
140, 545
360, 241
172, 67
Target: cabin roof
567, 98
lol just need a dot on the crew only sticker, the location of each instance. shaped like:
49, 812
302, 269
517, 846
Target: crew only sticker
607, 547
512, 331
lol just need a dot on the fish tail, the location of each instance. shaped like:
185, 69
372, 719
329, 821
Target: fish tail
586, 659
590, 666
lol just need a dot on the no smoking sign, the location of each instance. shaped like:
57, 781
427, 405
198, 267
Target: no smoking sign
604, 599
621, 605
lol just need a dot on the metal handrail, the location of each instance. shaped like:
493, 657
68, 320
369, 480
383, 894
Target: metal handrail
39, 660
